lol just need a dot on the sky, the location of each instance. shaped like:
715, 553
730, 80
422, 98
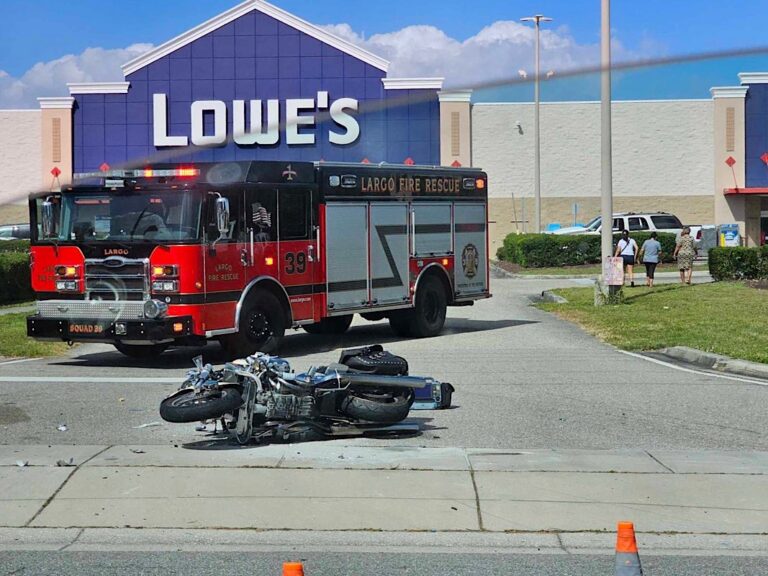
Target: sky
46, 43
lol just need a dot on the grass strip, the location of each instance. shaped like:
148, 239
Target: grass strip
14, 342
722, 317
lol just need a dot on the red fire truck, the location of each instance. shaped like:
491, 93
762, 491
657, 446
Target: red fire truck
241, 251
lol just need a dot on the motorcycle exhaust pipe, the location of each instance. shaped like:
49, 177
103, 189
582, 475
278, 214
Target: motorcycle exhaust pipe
377, 380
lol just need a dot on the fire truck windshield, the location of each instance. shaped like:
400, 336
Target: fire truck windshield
162, 217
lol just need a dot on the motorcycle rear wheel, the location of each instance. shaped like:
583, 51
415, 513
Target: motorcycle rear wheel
378, 406
190, 407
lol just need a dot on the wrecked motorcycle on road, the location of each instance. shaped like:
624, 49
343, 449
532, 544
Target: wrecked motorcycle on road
260, 397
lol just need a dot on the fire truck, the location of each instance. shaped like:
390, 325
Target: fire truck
242, 251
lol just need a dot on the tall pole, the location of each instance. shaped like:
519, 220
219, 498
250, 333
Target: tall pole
537, 20
606, 180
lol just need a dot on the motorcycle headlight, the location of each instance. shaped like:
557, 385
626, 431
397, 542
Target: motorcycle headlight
155, 309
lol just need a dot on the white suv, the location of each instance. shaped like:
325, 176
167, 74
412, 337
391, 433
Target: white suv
635, 222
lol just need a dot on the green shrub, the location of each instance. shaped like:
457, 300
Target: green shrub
551, 250
15, 283
14, 246
738, 263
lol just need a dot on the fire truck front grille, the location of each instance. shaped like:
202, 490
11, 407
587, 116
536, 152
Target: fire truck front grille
116, 278
90, 309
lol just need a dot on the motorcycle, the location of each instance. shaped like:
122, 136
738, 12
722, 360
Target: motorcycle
260, 397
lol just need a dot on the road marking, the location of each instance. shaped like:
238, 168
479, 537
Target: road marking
17, 361
692, 371
91, 379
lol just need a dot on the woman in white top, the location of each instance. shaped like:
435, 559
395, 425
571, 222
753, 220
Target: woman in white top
627, 249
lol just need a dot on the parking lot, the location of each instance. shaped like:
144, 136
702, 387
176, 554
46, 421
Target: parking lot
523, 379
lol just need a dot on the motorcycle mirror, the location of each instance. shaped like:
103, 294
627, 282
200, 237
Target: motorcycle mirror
198, 360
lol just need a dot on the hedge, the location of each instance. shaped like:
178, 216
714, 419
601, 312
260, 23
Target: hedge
553, 250
15, 278
738, 263
14, 246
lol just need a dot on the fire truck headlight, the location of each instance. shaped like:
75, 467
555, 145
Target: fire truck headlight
66, 285
155, 309
165, 286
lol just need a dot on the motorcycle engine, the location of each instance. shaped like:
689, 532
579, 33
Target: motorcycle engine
289, 407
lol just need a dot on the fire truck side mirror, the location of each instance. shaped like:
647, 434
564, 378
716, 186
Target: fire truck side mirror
222, 216
46, 214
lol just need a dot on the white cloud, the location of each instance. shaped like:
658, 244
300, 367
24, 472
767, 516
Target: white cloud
497, 52
51, 78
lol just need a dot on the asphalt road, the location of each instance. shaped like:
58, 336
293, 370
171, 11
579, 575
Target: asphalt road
523, 379
349, 563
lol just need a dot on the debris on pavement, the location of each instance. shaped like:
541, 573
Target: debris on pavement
201, 428
63, 463
147, 425
22, 463
62, 428
137, 451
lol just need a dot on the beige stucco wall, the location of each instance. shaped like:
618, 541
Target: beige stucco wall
21, 165
662, 159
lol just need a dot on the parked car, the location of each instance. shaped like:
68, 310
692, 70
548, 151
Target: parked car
14, 232
636, 222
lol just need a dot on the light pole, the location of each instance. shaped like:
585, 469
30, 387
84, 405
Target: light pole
537, 20
606, 163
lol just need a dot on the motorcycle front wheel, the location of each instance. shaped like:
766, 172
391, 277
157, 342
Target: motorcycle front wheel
378, 405
192, 407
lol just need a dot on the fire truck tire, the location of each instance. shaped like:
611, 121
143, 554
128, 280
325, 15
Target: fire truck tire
332, 325
400, 322
262, 326
428, 316
141, 351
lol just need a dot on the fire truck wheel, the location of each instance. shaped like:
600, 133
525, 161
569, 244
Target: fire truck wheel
400, 322
431, 304
141, 351
262, 326
332, 325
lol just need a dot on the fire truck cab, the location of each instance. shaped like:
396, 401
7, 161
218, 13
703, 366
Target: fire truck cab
241, 251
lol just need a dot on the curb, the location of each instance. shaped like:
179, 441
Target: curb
549, 296
717, 362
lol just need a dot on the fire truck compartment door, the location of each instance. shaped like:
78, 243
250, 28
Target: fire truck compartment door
433, 229
346, 255
389, 253
471, 253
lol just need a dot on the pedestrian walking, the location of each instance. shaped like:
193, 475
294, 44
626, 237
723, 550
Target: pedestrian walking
627, 249
650, 255
685, 252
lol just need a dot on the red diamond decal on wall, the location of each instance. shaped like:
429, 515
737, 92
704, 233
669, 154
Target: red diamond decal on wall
104, 167
456, 164
55, 171
409, 161
730, 161
764, 157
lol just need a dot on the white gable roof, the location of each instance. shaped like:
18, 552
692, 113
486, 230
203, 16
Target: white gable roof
240, 10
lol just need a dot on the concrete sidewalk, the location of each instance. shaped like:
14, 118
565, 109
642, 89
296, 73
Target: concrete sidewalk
328, 486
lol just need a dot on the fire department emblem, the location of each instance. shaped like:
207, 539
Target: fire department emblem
470, 260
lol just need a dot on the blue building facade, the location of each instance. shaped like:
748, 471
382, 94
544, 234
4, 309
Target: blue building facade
347, 108
756, 135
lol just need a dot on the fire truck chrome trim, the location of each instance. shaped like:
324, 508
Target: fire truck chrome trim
91, 309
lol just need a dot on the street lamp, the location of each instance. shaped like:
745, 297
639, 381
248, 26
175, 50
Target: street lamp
537, 20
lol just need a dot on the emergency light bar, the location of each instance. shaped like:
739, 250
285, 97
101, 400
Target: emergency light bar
143, 173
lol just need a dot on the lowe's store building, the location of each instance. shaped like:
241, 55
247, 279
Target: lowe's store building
259, 83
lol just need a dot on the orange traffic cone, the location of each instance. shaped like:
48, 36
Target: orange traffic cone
293, 569
627, 559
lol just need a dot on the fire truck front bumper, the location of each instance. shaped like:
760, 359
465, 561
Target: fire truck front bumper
105, 330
